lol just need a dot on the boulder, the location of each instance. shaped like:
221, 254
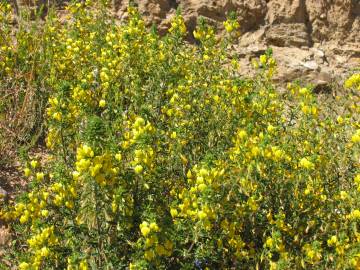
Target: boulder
288, 35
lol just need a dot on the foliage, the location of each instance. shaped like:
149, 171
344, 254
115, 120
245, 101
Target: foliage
164, 157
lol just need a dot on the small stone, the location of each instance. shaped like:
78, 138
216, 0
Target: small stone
3, 195
311, 65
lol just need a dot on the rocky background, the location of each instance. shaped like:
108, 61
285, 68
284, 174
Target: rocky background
313, 40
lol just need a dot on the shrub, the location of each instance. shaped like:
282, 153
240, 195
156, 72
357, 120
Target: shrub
164, 157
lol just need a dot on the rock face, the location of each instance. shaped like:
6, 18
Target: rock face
309, 37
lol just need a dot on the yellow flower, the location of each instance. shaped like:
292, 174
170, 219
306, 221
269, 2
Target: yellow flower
305, 163
356, 137
24, 218
95, 170
270, 128
173, 212
242, 134
69, 204
57, 116
304, 91
39, 176
24, 266
154, 227
83, 265
173, 135
263, 59
332, 241
269, 242
27, 172
201, 214
202, 187
138, 169
228, 27
343, 195
102, 103
231, 25
139, 122
145, 231
199, 180
44, 213
355, 214
34, 163
340, 120
353, 80
357, 179
75, 175
45, 252
255, 151
118, 157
